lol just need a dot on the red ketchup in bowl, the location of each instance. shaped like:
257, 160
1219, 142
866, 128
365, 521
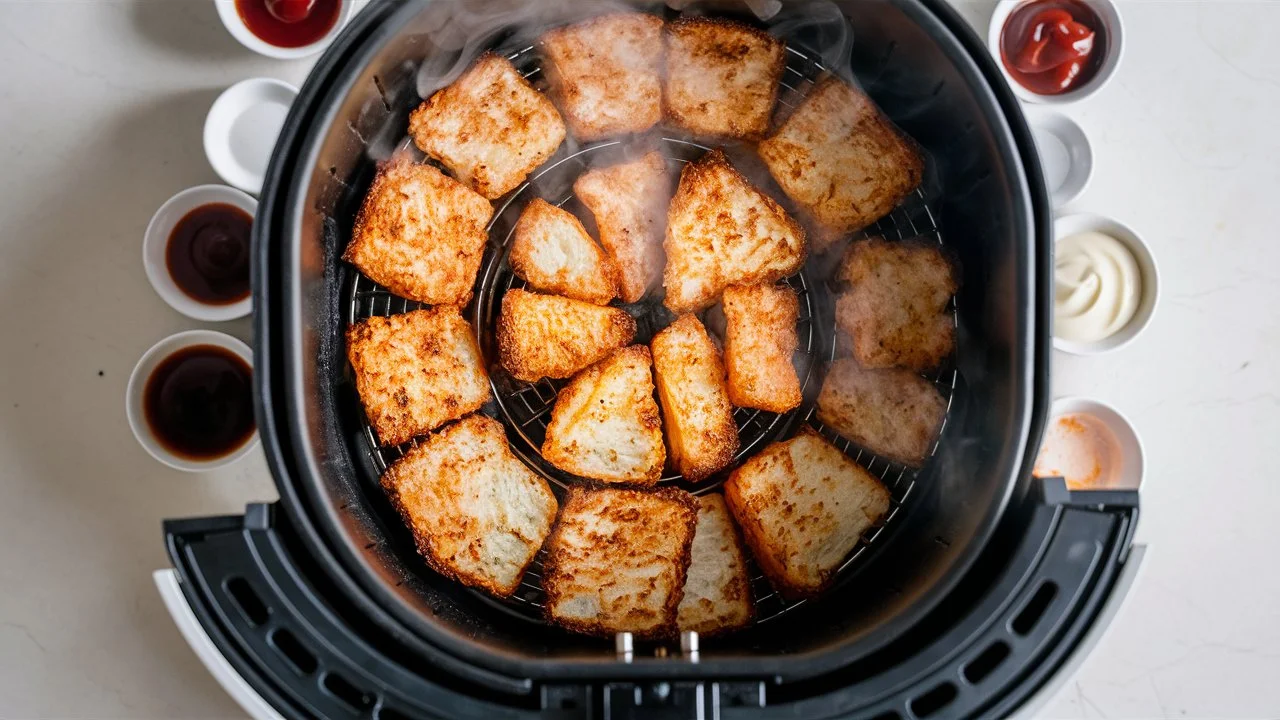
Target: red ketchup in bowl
289, 23
1052, 46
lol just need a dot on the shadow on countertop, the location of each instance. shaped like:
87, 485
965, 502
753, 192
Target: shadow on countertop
191, 29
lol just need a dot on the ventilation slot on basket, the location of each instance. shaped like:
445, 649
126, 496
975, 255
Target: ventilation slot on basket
887, 715
248, 602
1030, 615
934, 700
349, 694
977, 671
293, 651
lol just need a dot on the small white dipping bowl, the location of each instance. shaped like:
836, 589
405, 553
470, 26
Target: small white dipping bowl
241, 128
235, 25
155, 244
1065, 154
1113, 28
1130, 459
1068, 225
138, 385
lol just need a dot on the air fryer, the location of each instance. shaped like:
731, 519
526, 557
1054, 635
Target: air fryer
957, 528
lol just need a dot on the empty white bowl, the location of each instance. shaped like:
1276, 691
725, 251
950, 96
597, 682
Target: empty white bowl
235, 25
1068, 225
156, 242
1113, 28
134, 397
1126, 463
1065, 154
241, 128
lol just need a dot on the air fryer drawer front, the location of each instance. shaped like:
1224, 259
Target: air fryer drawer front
291, 639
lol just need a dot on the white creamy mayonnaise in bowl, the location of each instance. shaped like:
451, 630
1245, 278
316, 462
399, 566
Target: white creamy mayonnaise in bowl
1106, 284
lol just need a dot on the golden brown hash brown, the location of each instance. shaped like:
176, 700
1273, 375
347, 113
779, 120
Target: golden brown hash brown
618, 559
490, 128
896, 306
629, 202
892, 412
701, 434
420, 234
416, 371
842, 160
477, 514
721, 231
605, 74
605, 424
760, 339
554, 337
717, 591
722, 77
553, 253
802, 506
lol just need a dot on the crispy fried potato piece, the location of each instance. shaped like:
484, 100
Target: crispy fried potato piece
893, 413
802, 506
842, 160
722, 77
477, 514
605, 424
420, 233
701, 433
760, 338
491, 128
416, 371
629, 202
618, 559
554, 337
896, 307
606, 74
721, 230
717, 591
553, 253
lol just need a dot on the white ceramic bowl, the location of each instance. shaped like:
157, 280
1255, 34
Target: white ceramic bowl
1065, 154
235, 25
1113, 27
156, 241
1132, 468
1083, 222
241, 128
137, 386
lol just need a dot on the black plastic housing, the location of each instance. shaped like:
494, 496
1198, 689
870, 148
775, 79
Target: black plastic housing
301, 644
920, 62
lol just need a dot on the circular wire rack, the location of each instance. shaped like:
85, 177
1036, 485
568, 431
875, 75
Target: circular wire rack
525, 408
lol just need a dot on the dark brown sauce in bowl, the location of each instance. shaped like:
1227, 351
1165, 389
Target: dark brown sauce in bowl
208, 254
198, 402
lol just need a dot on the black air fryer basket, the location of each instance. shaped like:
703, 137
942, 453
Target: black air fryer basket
956, 542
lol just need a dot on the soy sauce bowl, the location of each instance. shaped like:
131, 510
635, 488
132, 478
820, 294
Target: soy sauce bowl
155, 247
135, 399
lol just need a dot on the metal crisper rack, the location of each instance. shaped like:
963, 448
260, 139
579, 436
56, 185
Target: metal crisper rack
525, 407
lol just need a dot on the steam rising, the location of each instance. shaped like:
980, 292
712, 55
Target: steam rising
451, 35
459, 32
819, 27
456, 33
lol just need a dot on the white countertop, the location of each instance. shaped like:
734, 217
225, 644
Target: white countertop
101, 108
